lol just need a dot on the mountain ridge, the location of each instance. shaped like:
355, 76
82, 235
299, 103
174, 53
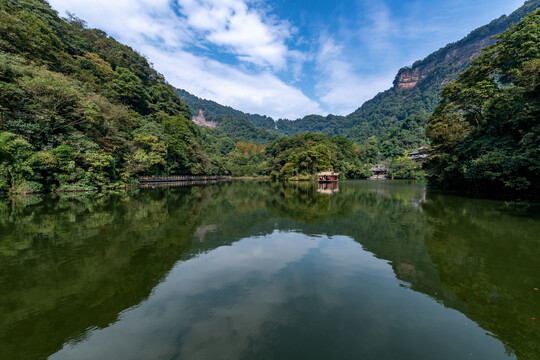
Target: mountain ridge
397, 116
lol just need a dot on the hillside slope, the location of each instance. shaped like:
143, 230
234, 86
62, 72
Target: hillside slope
416, 90
212, 108
486, 131
397, 117
79, 110
235, 124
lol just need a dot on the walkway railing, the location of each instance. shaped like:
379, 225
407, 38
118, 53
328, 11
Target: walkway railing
180, 178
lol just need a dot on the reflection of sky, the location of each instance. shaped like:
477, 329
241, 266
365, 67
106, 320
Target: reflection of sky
286, 295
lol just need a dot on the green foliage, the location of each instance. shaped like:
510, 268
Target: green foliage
80, 111
129, 88
485, 132
14, 151
242, 130
405, 168
25, 31
397, 117
310, 153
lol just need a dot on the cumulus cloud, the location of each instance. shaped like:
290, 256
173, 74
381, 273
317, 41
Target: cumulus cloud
261, 93
166, 32
239, 53
239, 29
132, 21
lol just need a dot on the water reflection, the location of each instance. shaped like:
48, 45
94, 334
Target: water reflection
241, 302
328, 188
261, 270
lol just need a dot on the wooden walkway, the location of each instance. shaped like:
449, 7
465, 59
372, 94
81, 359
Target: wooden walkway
177, 184
180, 178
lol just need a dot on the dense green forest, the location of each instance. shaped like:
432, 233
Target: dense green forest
398, 116
80, 110
212, 108
486, 131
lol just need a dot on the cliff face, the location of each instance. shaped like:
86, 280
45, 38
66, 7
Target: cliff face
201, 120
458, 55
416, 91
408, 78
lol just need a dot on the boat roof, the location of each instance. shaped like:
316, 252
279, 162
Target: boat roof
323, 173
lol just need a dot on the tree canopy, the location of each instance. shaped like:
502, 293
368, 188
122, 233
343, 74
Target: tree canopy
486, 130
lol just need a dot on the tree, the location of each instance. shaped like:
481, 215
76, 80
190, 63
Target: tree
485, 132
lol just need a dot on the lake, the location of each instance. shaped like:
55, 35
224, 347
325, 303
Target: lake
260, 270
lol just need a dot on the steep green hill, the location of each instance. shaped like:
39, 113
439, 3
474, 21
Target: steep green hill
486, 131
236, 125
398, 116
79, 110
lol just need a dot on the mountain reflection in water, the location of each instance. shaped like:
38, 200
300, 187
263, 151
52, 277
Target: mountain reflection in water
261, 270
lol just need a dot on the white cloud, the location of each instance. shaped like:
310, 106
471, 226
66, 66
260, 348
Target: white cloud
239, 29
166, 36
238, 53
341, 87
261, 93
130, 20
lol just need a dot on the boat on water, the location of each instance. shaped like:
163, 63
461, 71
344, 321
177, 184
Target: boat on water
328, 176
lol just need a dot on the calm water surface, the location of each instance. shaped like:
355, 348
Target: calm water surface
254, 270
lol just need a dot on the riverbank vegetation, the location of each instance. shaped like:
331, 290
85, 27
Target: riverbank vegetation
80, 110
486, 131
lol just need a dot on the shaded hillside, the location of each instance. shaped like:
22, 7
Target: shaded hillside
235, 124
79, 110
397, 117
329, 125
485, 132
416, 90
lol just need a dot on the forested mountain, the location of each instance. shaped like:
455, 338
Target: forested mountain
233, 123
486, 130
212, 108
396, 117
78, 110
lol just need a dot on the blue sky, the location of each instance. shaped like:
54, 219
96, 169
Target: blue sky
285, 59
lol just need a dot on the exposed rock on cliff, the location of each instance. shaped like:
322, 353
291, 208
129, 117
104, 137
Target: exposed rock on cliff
457, 54
201, 120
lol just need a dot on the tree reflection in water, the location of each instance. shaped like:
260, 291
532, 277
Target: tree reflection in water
74, 263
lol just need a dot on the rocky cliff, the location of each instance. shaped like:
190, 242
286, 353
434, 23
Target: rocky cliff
459, 54
201, 120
